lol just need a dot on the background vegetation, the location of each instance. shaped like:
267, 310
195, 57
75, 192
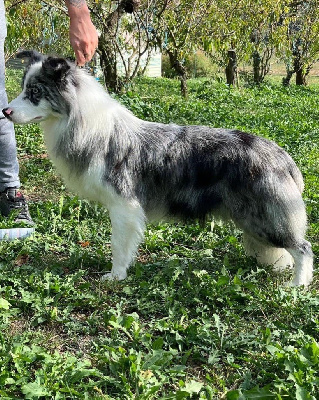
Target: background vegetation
227, 32
195, 318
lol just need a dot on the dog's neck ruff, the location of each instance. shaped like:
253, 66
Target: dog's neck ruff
93, 115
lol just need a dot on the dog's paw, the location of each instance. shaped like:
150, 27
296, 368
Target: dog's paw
300, 282
111, 276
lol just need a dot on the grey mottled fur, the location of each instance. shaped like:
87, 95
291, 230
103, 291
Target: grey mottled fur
184, 172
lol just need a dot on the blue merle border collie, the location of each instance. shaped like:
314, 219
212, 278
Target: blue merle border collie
142, 170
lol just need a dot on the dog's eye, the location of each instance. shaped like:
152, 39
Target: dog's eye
33, 94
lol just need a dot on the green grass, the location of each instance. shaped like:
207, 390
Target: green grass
195, 318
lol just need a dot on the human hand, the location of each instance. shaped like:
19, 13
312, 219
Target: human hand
83, 35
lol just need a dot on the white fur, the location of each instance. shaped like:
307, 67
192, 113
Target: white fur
279, 259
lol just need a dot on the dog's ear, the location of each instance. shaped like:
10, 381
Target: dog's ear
32, 55
56, 68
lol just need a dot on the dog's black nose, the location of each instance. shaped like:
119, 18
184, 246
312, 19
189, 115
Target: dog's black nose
7, 112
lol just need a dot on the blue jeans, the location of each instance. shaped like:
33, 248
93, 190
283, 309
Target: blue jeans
9, 167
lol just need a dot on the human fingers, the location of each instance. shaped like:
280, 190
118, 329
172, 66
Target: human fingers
84, 42
80, 58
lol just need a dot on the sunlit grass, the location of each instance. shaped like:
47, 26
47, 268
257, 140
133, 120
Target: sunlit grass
196, 318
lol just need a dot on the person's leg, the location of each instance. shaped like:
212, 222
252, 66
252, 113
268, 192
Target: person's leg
9, 167
11, 198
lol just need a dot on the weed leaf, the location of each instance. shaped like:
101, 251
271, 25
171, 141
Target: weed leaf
4, 304
34, 390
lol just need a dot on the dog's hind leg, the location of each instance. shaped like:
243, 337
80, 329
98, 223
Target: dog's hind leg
265, 254
303, 256
276, 226
128, 224
299, 254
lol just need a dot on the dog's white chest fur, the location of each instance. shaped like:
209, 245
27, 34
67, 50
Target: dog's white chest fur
87, 184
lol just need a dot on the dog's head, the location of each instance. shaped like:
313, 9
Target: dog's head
46, 86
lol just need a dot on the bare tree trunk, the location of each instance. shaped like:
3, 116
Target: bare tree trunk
184, 87
299, 68
256, 67
287, 78
149, 54
108, 64
107, 43
180, 69
231, 69
300, 77
261, 64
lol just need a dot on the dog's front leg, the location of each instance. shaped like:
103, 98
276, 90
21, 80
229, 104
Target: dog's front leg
128, 224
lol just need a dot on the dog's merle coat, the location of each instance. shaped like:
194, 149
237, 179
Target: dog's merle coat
143, 170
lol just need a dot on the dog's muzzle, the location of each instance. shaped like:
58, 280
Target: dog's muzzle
7, 112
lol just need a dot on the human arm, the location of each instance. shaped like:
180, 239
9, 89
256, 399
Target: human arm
83, 35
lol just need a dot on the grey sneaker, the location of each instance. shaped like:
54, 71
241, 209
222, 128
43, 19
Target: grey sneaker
12, 200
